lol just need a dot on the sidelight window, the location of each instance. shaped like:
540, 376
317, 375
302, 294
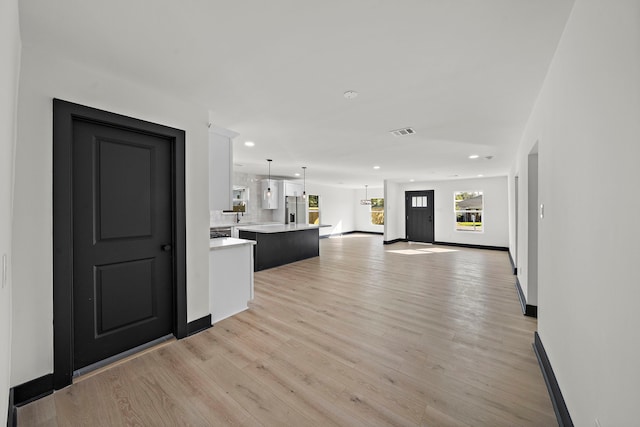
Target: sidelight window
468, 210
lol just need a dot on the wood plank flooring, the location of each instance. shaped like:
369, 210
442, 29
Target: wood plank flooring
359, 336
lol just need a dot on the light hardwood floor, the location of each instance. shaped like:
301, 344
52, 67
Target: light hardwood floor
359, 336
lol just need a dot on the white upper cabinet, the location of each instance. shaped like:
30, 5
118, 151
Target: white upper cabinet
292, 189
220, 168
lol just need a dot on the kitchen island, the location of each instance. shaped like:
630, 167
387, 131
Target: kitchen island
279, 244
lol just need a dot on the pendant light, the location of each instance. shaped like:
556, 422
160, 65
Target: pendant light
269, 184
304, 187
366, 200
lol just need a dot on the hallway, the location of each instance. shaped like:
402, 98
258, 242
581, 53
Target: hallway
365, 334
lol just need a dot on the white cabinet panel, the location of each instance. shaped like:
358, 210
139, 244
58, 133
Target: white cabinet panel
292, 189
231, 280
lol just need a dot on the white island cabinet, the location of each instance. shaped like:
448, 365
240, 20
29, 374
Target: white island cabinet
230, 276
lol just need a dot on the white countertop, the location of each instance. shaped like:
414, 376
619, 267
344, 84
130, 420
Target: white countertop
242, 224
227, 242
279, 228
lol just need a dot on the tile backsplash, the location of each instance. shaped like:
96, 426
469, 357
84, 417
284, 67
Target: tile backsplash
255, 213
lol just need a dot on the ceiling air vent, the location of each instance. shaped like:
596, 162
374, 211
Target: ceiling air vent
402, 132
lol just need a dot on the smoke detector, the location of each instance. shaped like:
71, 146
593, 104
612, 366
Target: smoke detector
402, 132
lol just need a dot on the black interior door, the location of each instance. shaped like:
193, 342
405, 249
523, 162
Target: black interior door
419, 209
122, 240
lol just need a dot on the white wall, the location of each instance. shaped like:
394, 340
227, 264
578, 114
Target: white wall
363, 212
44, 76
586, 123
495, 216
336, 208
9, 71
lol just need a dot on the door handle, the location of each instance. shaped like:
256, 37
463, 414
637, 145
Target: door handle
166, 248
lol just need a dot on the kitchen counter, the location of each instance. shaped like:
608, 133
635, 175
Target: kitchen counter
227, 242
278, 228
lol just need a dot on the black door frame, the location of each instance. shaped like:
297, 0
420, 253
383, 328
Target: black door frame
64, 114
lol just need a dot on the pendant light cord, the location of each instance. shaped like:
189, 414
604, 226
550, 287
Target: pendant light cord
269, 184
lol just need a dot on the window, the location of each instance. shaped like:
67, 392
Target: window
314, 209
377, 211
468, 208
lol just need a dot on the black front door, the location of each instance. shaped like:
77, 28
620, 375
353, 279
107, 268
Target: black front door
419, 216
122, 240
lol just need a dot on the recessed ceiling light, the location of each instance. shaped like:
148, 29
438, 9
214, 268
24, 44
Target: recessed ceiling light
296, 174
350, 94
473, 156
411, 180
376, 167
249, 143
480, 176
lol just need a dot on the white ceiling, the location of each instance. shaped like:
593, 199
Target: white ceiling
464, 74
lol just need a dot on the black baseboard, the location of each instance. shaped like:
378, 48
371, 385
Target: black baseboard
531, 311
390, 242
559, 406
514, 269
527, 309
465, 245
12, 417
346, 233
32, 390
199, 325
327, 236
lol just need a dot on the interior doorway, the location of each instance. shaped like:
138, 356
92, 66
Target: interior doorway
532, 234
119, 236
517, 224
